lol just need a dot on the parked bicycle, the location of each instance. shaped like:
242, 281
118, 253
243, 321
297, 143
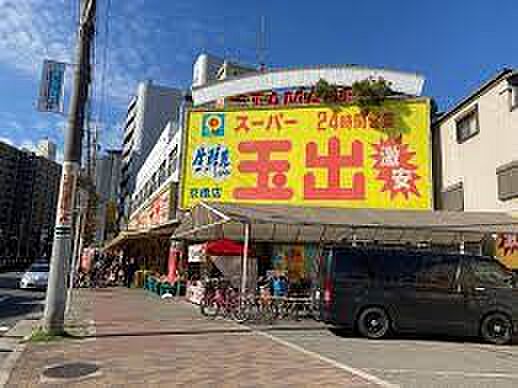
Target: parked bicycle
220, 299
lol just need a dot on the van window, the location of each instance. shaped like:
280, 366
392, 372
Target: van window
438, 271
395, 267
351, 263
492, 274
325, 263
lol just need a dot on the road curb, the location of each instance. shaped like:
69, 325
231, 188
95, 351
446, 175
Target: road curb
22, 330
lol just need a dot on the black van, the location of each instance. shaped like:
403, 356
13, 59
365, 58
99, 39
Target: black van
378, 290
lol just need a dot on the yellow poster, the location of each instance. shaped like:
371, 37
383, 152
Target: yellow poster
340, 156
507, 250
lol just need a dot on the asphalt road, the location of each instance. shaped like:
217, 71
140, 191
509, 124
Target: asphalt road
413, 362
16, 304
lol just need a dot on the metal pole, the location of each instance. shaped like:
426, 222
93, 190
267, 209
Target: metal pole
355, 240
54, 315
244, 275
78, 248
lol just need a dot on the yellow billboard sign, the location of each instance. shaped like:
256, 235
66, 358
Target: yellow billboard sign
340, 156
507, 250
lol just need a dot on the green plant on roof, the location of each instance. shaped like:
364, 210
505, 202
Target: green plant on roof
371, 92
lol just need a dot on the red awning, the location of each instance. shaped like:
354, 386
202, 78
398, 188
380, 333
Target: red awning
224, 247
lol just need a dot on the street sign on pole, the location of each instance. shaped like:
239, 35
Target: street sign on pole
52, 87
54, 314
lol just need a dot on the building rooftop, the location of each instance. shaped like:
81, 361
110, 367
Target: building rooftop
505, 73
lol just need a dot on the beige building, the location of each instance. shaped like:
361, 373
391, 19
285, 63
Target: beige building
476, 149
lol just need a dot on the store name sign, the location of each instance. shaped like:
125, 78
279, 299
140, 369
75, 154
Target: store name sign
289, 97
156, 213
336, 156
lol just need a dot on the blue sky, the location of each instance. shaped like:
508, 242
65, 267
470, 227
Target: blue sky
454, 44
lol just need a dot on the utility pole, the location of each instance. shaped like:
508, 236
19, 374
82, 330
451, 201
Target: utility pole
54, 316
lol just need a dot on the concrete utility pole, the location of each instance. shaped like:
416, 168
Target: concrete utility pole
54, 316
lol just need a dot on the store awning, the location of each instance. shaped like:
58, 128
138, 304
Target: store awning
330, 225
224, 247
160, 231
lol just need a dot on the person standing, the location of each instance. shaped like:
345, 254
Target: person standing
277, 285
130, 272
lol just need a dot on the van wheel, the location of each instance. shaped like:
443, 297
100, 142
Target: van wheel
373, 323
497, 329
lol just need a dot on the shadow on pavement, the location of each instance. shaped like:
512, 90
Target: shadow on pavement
169, 333
14, 306
347, 333
243, 330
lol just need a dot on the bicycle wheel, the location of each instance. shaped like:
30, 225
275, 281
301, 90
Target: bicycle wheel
290, 312
209, 308
267, 313
283, 310
252, 310
241, 314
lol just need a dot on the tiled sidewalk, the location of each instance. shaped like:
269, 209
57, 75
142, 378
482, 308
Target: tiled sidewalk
143, 341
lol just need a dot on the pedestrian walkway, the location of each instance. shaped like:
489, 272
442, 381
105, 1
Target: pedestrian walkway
142, 341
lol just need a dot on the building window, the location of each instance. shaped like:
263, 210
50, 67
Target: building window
173, 161
467, 125
514, 97
154, 182
162, 173
507, 181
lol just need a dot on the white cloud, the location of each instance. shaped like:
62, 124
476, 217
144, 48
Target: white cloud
143, 44
6, 140
32, 30
29, 145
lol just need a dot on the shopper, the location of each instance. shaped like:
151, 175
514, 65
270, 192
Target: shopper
279, 285
130, 272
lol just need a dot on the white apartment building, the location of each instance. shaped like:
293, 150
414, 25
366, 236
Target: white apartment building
476, 149
46, 149
148, 112
160, 169
208, 69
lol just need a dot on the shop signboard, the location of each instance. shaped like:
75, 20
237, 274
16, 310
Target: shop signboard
196, 253
87, 258
338, 155
507, 250
297, 261
155, 213
287, 97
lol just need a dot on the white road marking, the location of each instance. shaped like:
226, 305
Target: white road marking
494, 375
347, 368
